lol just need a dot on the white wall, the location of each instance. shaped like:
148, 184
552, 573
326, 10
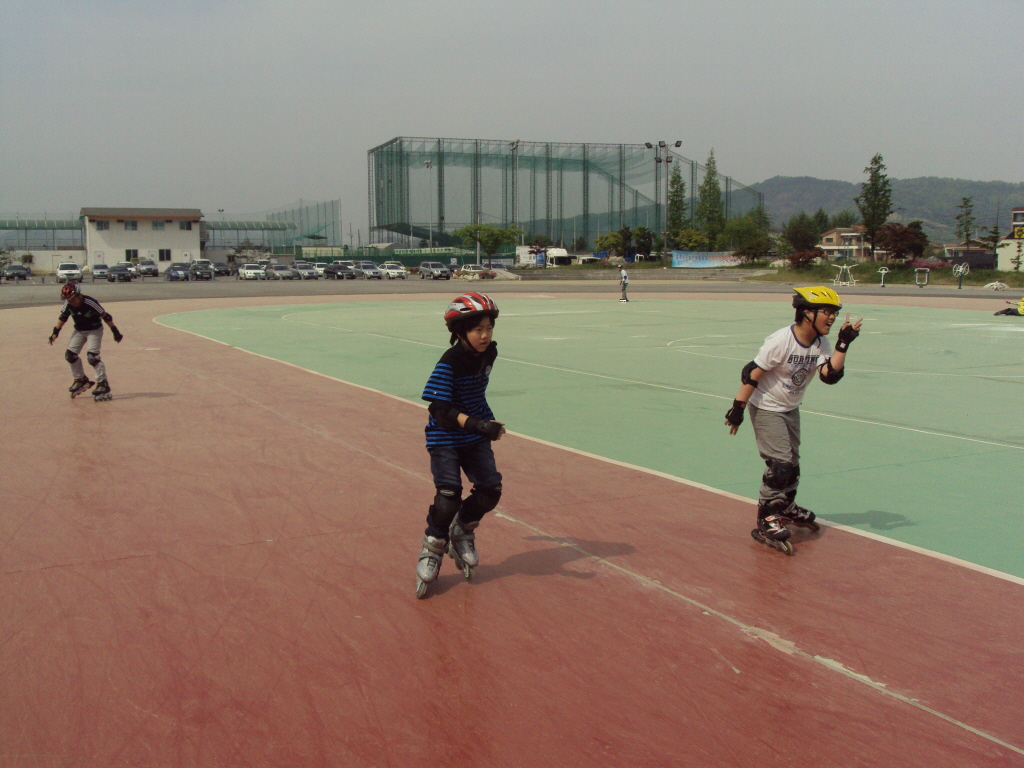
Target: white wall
109, 245
1008, 250
45, 262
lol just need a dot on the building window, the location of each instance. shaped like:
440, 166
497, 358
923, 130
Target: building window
100, 225
131, 254
131, 226
828, 239
158, 226
165, 254
185, 225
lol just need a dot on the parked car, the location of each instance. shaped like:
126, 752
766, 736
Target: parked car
281, 272
220, 269
305, 271
119, 273
369, 270
392, 270
132, 269
251, 272
68, 271
99, 271
435, 270
148, 268
473, 269
339, 271
176, 271
16, 272
200, 270
320, 267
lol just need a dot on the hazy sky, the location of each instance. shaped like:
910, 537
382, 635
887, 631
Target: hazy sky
249, 106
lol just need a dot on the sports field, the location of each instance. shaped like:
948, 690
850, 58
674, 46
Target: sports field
217, 566
919, 443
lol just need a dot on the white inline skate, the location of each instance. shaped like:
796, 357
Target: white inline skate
462, 546
429, 564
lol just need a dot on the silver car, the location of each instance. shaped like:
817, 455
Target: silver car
305, 271
435, 270
368, 270
68, 271
100, 271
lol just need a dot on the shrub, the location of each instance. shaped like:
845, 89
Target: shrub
804, 259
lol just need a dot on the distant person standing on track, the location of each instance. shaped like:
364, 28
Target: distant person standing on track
623, 282
1017, 310
89, 317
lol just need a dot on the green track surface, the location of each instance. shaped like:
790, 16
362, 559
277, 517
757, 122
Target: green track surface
922, 441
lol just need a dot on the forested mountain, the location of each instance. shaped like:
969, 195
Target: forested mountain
931, 199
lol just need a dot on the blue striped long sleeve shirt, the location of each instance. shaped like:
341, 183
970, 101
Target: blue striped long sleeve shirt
460, 378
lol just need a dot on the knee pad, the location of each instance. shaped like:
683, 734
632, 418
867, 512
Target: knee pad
780, 474
70, 356
446, 505
482, 499
93, 358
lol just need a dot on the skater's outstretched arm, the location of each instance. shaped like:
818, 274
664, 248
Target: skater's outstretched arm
113, 328
847, 334
56, 329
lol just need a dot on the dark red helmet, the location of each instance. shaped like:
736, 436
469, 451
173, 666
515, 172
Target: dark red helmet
71, 288
469, 305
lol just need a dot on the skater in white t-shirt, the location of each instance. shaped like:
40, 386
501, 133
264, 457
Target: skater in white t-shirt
771, 390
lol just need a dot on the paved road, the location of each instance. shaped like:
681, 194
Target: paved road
32, 295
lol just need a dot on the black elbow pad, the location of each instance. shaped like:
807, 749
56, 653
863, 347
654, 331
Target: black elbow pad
745, 374
833, 375
108, 317
446, 416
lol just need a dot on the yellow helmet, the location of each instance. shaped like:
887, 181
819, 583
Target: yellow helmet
816, 297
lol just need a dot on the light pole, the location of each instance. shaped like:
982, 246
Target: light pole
429, 165
662, 154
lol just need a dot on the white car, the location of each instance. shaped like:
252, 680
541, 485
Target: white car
132, 269
392, 270
68, 271
472, 270
320, 266
251, 272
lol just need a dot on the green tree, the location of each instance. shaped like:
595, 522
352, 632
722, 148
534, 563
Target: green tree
610, 241
902, 242
875, 200
965, 220
747, 233
1016, 260
626, 235
710, 213
821, 221
992, 238
644, 239
580, 245
843, 218
489, 237
690, 240
676, 218
801, 232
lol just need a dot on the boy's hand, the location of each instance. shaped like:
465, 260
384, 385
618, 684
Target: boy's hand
848, 333
492, 430
117, 334
734, 417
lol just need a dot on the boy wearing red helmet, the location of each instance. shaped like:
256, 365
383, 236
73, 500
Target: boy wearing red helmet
89, 317
772, 389
459, 434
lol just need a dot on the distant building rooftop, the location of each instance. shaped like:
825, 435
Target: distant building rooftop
190, 214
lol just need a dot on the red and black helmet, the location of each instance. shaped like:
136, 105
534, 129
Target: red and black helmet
71, 288
469, 305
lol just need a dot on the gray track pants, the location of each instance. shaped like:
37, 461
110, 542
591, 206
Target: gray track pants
91, 340
778, 439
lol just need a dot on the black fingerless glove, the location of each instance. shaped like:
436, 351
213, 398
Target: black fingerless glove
846, 336
489, 429
56, 332
735, 414
117, 334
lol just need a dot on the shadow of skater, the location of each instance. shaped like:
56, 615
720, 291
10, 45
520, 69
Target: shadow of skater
551, 561
873, 518
144, 394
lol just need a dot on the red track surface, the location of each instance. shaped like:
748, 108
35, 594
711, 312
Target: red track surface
216, 568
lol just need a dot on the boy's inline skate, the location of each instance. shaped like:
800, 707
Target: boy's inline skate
80, 386
771, 531
462, 546
102, 392
429, 564
798, 516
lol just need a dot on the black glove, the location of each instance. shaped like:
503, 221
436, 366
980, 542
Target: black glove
55, 334
735, 414
846, 336
489, 429
117, 334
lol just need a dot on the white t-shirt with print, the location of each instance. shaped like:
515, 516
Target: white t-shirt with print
623, 277
789, 367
